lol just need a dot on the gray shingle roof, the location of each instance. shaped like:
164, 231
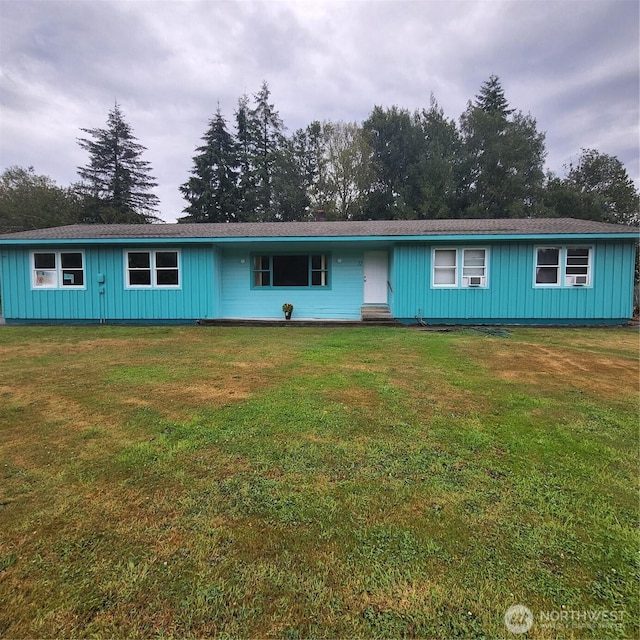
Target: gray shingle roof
377, 228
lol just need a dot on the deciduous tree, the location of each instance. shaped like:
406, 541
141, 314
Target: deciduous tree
31, 201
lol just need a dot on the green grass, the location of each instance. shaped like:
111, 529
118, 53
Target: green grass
295, 483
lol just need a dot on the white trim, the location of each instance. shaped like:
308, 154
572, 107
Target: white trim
558, 267
484, 280
153, 269
581, 279
461, 280
434, 267
56, 273
564, 280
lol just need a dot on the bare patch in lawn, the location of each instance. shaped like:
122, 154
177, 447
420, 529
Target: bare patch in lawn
180, 399
355, 397
44, 348
50, 407
405, 596
541, 365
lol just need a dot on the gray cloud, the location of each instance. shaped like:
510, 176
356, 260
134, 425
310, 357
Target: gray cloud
572, 64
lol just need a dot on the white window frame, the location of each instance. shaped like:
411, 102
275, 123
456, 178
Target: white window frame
461, 280
557, 266
435, 268
587, 268
563, 258
465, 280
153, 269
57, 272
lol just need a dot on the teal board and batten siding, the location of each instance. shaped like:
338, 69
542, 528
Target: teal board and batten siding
511, 296
340, 300
110, 300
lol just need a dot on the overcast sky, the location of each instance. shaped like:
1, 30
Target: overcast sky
572, 64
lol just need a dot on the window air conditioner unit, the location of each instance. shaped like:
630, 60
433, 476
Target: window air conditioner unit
476, 281
578, 281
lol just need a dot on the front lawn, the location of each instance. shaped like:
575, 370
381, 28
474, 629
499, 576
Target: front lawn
317, 482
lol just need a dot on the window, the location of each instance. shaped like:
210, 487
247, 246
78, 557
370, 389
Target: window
291, 270
474, 267
472, 263
58, 269
578, 267
445, 267
568, 266
548, 266
152, 269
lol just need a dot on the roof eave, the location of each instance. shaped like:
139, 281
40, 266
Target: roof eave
453, 237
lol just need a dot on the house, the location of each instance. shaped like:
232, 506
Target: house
515, 271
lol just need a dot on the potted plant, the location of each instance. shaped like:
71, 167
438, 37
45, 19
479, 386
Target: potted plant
287, 307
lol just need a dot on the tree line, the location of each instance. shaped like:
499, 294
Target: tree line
396, 164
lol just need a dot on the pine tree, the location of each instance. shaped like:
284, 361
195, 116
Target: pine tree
266, 138
502, 158
117, 182
439, 164
212, 190
246, 177
492, 100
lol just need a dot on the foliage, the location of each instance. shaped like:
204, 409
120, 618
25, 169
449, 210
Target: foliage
212, 190
117, 182
266, 134
31, 201
503, 158
439, 164
394, 165
598, 187
348, 173
395, 137
289, 197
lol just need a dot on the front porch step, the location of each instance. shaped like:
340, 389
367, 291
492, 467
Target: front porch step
375, 312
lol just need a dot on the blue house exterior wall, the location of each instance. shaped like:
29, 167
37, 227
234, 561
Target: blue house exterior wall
341, 299
216, 282
511, 296
111, 300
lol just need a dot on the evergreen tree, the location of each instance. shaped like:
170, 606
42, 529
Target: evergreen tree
289, 194
246, 205
502, 158
117, 182
212, 190
265, 139
438, 169
492, 100
310, 154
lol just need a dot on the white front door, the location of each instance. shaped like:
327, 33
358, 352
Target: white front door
375, 277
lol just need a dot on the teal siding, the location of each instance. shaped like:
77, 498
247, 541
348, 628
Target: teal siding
511, 294
111, 300
342, 299
216, 282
